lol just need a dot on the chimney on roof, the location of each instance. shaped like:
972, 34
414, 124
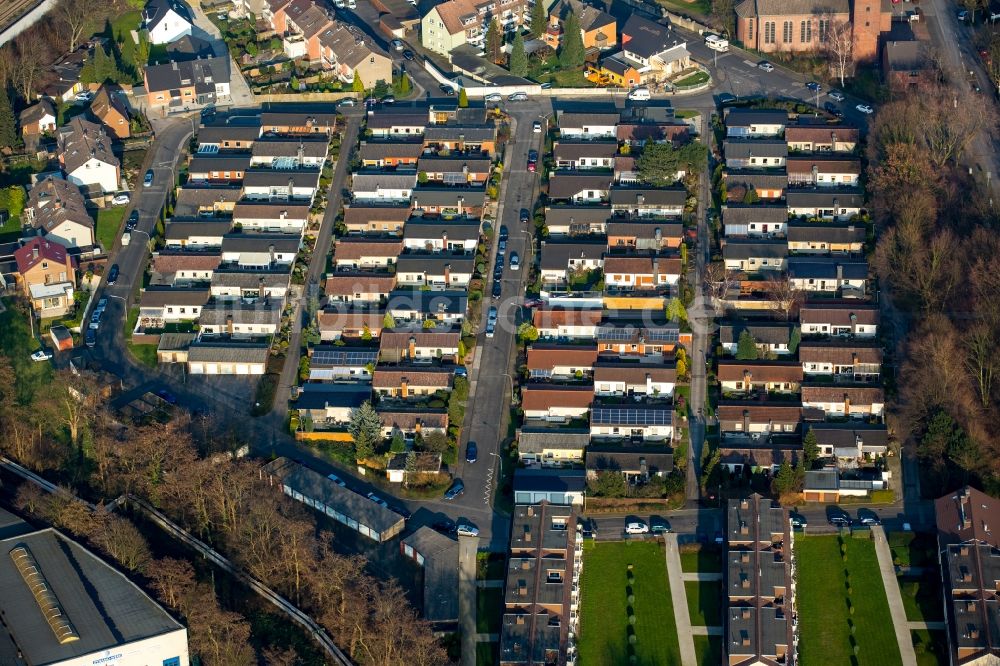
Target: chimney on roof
815, 174
34, 251
270, 252
640, 199
444, 240
746, 421
291, 187
847, 405
260, 288
300, 154
173, 65
412, 349
840, 273
658, 235
461, 200
229, 324
447, 274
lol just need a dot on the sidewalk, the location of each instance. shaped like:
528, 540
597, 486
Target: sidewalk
896, 608
678, 597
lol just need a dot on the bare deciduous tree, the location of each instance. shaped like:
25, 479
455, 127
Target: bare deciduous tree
719, 280
785, 298
76, 17
838, 42
981, 360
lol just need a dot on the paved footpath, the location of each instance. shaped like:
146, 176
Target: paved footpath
896, 608
678, 597
704, 577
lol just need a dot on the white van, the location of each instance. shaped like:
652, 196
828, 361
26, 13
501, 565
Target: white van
716, 43
639, 94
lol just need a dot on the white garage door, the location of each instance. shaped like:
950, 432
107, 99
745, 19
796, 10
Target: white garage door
242, 369
196, 368
212, 368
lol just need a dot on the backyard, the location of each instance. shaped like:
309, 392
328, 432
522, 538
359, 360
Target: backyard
144, 353
605, 633
843, 612
17, 344
107, 222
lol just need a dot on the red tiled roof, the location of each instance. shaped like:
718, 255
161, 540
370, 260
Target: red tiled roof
536, 397
547, 356
47, 251
550, 318
734, 371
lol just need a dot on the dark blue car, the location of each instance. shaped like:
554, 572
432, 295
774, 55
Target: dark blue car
471, 452
456, 489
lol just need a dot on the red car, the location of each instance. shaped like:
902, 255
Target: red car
531, 166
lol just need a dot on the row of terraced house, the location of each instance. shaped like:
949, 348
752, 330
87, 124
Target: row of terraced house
800, 342
222, 274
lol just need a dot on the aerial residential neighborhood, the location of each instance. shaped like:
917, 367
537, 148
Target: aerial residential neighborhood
541, 333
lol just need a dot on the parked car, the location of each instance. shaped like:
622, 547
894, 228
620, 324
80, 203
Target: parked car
447, 89
525, 215
658, 525
102, 304
836, 95
456, 489
147, 180
518, 97
461, 371
532, 166
813, 86
536, 127
336, 479
865, 109
471, 452
113, 274
491, 326
962, 16
444, 526
831, 108
493, 98
90, 338
636, 527
515, 261
546, 86
502, 247
533, 155
347, 101
497, 290
389, 99
41, 355
85, 96
408, 54
639, 95
798, 520
95, 319
397, 45
167, 396
765, 65
132, 221
467, 530
868, 518
120, 199
503, 233
378, 500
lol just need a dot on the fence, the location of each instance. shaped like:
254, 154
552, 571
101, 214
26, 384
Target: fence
317, 632
286, 98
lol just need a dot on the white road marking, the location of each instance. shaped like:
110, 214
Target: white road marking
750, 62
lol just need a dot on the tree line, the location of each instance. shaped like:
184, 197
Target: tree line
66, 433
938, 250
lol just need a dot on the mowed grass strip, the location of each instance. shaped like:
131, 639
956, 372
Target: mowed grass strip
825, 634
708, 649
604, 625
704, 602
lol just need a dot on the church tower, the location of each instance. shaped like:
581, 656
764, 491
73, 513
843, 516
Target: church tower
866, 22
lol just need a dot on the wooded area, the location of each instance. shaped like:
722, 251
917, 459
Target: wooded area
939, 252
66, 433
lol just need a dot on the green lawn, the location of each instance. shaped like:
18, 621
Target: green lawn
708, 650
703, 602
605, 627
108, 222
700, 559
143, 353
913, 549
931, 647
17, 344
569, 78
487, 654
489, 609
921, 598
697, 8
823, 604
697, 78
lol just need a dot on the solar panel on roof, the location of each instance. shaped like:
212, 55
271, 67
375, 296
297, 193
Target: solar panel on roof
663, 334
613, 333
630, 417
338, 357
